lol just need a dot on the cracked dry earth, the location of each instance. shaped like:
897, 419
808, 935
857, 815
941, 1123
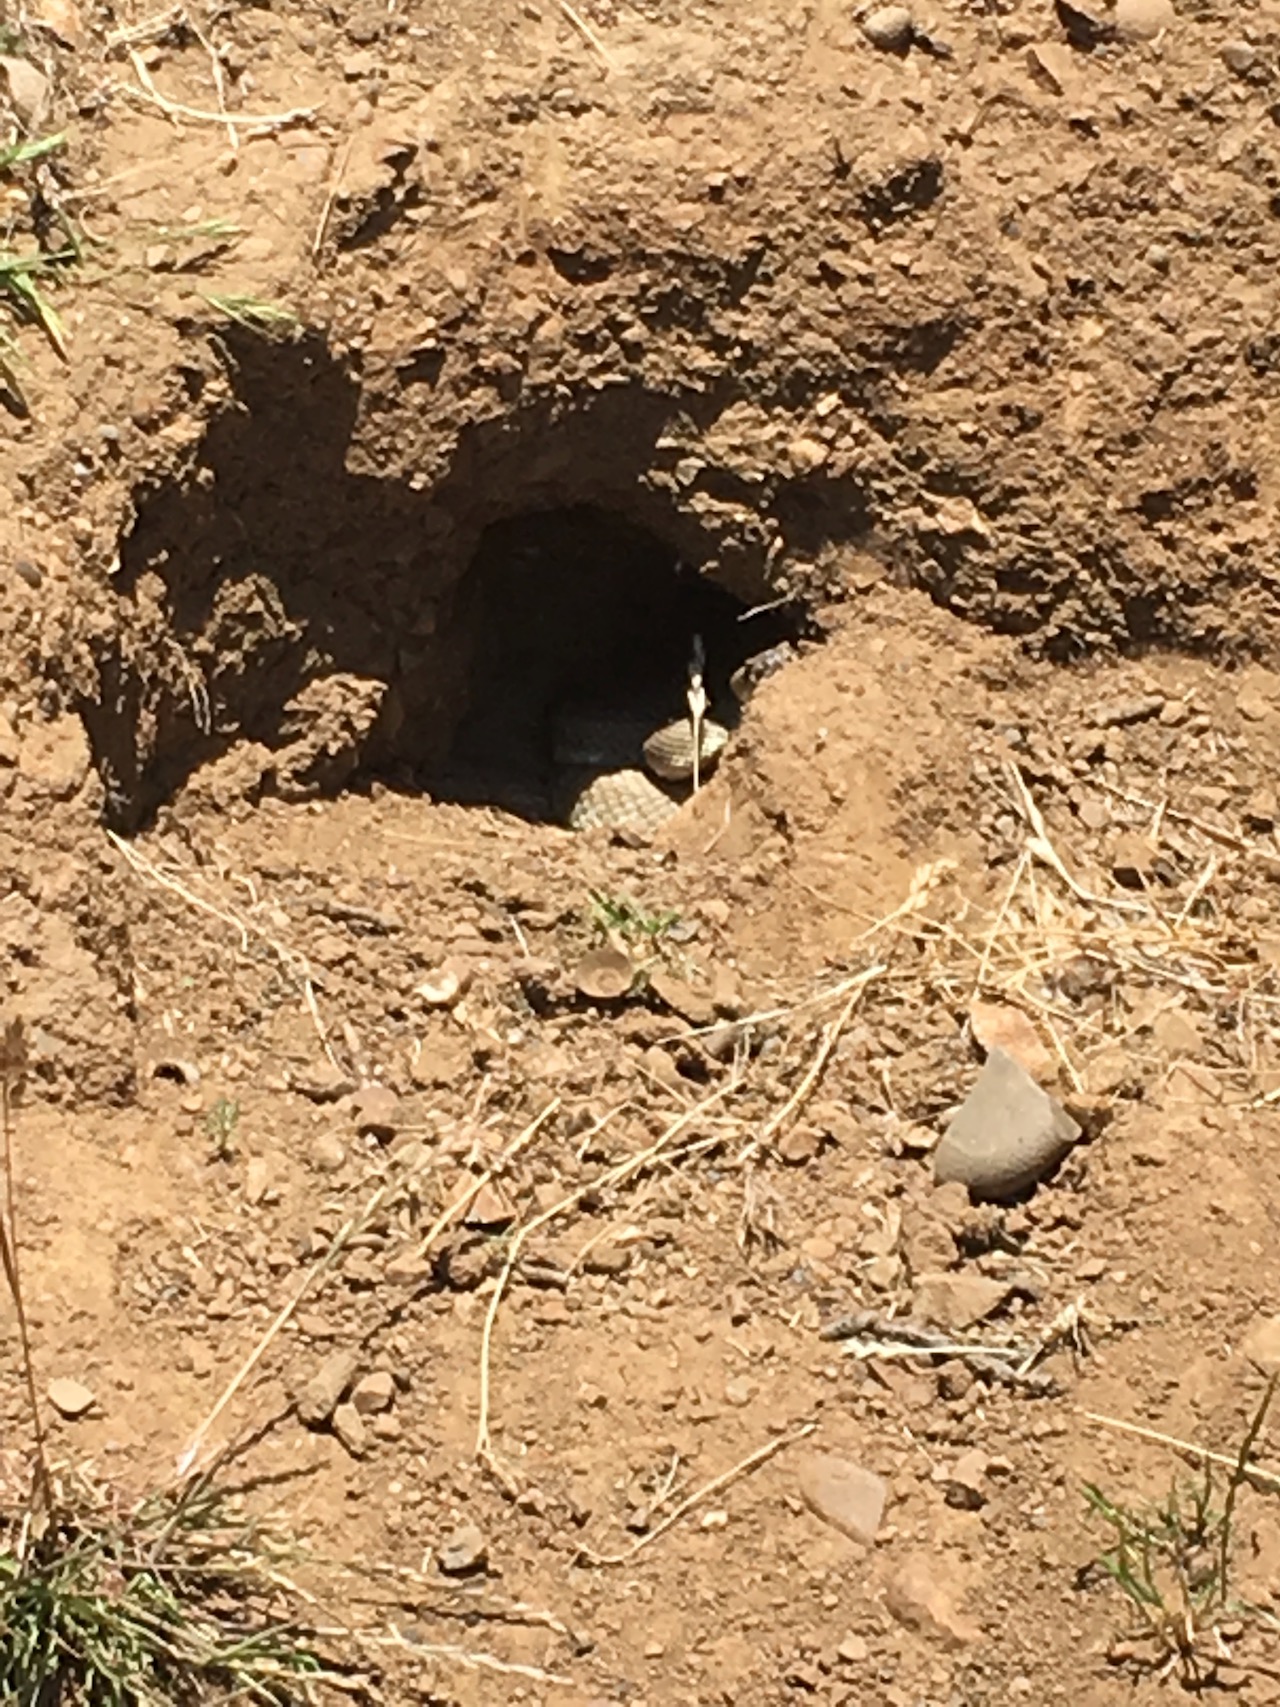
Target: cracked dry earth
484, 356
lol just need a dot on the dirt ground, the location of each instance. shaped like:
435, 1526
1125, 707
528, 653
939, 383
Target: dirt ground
405, 352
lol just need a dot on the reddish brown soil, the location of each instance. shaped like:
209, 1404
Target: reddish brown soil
968, 356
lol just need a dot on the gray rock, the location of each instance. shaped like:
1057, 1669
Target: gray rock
890, 28
319, 1398
1005, 1136
844, 1495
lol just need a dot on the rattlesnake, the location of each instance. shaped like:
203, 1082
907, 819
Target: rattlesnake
632, 770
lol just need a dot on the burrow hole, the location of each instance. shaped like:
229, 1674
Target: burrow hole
579, 610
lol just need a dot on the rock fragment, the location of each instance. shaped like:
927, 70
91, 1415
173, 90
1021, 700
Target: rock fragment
996, 1025
465, 1552
890, 28
316, 1402
1261, 1345
844, 1495
374, 1393
376, 1111
71, 1399
349, 1427
920, 1601
1006, 1135
1143, 20
958, 1301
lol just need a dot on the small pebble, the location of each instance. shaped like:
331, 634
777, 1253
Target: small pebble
327, 1153
27, 571
465, 1552
374, 1393
1239, 56
349, 1427
889, 28
69, 1398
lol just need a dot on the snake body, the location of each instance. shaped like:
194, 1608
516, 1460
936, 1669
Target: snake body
631, 770
620, 772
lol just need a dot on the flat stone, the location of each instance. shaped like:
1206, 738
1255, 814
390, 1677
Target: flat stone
1176, 1032
608, 1257
1261, 1345
1133, 860
844, 1495
316, 1402
1006, 1135
957, 1301
28, 90
71, 1399
492, 1208
799, 1146
441, 1059
1053, 64
919, 1601
374, 1393
257, 1179
465, 1552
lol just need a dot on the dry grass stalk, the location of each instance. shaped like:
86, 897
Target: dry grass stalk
663, 1147
13, 1066
188, 1459
951, 950
1250, 1471
294, 964
470, 1659
176, 110
801, 1094
588, 34
716, 1485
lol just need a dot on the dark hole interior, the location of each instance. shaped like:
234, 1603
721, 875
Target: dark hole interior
581, 607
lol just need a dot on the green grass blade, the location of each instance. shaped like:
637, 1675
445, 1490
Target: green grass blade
22, 153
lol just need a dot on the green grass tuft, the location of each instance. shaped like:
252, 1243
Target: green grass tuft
170, 1601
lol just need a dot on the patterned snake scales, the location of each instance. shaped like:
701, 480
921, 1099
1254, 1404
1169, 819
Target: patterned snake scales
620, 771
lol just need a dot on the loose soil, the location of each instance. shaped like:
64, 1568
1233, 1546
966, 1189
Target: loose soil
954, 367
